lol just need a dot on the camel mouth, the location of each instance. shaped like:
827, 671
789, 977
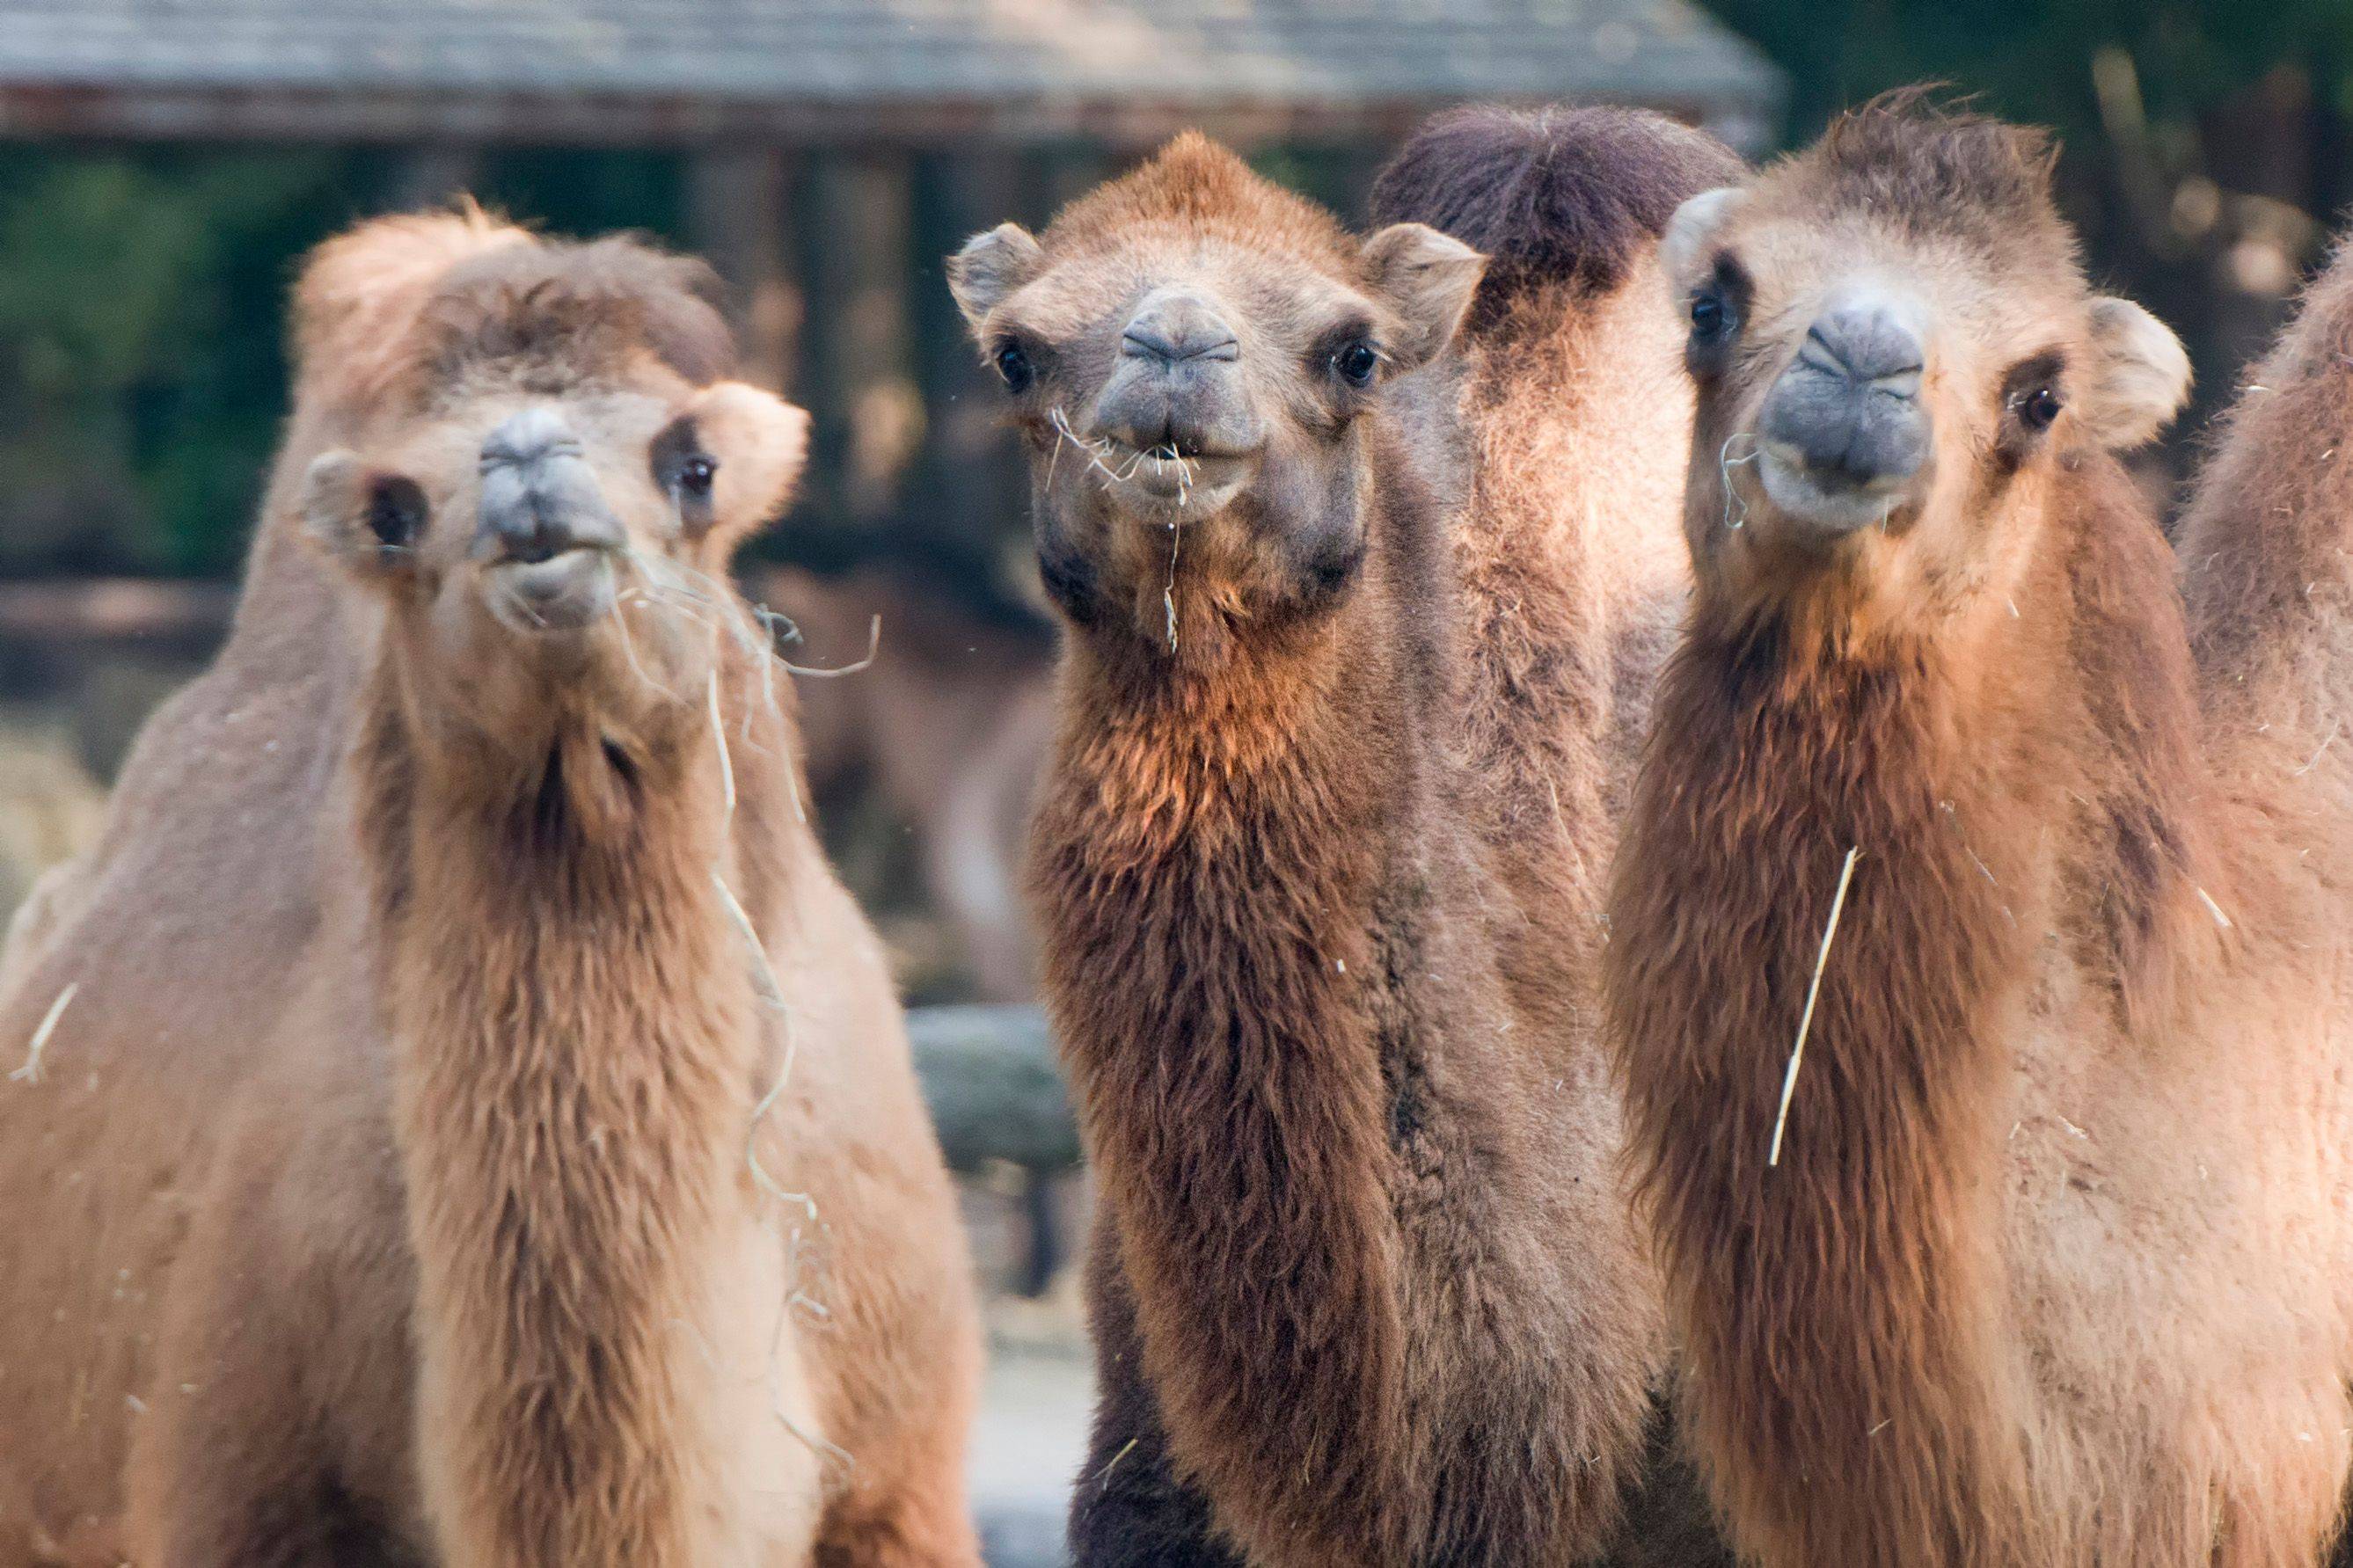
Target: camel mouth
1166, 479
565, 592
1828, 507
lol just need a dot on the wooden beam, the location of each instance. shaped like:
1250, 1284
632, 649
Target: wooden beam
739, 214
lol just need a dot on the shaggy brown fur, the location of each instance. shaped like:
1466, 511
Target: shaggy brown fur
1320, 881
392, 1190
2051, 1268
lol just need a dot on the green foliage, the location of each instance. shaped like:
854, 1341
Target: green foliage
140, 379
2032, 60
143, 375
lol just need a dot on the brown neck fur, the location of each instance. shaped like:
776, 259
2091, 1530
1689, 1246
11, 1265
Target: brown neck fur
1841, 1310
1238, 1108
1268, 899
575, 1025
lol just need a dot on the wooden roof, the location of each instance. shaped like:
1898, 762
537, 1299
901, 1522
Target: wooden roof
596, 71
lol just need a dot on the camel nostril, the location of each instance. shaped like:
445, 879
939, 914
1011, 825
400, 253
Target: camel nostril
1175, 326
1870, 345
1144, 342
540, 494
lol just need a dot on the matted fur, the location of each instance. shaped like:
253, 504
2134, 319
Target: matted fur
390, 1200
2053, 1268
1319, 888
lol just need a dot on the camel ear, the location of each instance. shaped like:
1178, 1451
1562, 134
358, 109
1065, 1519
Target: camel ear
1684, 247
1428, 278
366, 521
989, 267
2138, 378
759, 445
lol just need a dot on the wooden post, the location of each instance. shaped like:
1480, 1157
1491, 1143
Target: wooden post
969, 500
739, 210
863, 387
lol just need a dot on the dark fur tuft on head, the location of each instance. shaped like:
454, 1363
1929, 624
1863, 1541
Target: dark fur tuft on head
1940, 167
1550, 195
582, 300
400, 305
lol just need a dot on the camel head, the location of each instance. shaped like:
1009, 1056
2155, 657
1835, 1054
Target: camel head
1895, 351
1189, 351
536, 466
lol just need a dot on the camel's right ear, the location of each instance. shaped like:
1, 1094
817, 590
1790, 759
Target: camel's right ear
989, 267
368, 521
1684, 247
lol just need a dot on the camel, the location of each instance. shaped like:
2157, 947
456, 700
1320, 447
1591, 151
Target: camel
1979, 963
465, 1123
1359, 614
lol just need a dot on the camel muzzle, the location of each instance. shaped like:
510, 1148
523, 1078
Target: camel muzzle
540, 496
1177, 388
1843, 431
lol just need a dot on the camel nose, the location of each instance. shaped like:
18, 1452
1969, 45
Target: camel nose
540, 496
1849, 405
1178, 383
1171, 328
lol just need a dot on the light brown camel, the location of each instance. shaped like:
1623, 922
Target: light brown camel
1357, 637
2052, 1269
423, 1161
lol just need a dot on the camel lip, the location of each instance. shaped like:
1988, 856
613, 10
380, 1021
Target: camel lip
562, 593
1195, 484
1824, 510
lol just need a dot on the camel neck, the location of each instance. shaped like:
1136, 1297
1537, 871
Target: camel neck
1232, 880
574, 1029
1851, 1336
1843, 1308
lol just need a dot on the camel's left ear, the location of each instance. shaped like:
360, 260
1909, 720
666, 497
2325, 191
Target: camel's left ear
757, 445
2139, 378
1427, 278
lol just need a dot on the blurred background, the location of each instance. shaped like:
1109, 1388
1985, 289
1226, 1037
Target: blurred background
163, 165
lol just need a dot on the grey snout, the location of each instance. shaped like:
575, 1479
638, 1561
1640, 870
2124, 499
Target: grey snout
540, 496
1848, 407
1177, 383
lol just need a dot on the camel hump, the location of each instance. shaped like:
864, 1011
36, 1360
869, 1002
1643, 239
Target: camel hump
1551, 195
2318, 342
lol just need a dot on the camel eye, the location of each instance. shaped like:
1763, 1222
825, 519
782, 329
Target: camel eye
2039, 407
1013, 366
396, 511
1711, 318
1357, 363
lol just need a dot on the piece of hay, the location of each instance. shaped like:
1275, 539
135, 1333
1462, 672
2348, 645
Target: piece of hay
1813, 994
31, 1071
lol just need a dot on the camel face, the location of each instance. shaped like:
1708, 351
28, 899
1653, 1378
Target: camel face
1894, 345
1189, 351
545, 550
